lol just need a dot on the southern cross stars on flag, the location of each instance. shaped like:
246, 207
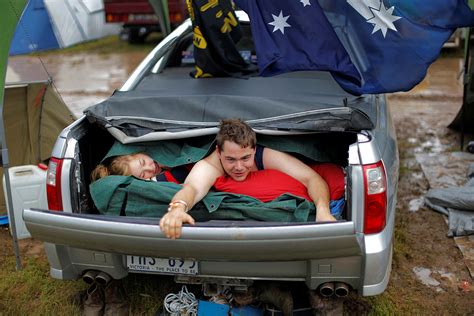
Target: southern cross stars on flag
370, 46
372, 10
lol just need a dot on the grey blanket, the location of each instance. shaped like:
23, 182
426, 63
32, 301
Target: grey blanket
457, 203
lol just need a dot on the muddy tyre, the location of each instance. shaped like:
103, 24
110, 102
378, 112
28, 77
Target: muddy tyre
135, 36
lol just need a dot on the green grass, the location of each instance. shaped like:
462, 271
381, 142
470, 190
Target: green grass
31, 291
381, 305
106, 45
146, 292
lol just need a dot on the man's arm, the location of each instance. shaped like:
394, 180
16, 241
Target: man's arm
317, 187
195, 187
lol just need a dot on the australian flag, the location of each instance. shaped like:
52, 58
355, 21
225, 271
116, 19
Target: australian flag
369, 46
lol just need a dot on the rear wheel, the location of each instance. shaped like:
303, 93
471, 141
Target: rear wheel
136, 36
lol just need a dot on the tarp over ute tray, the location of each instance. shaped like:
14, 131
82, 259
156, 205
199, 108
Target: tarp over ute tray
172, 101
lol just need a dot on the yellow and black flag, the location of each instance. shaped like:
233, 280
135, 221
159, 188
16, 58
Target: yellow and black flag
216, 31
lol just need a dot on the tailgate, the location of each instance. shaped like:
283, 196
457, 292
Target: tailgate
215, 240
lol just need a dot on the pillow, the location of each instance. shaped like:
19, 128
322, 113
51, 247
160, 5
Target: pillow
334, 176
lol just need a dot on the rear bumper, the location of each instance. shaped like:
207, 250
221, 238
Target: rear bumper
312, 272
312, 253
378, 259
142, 236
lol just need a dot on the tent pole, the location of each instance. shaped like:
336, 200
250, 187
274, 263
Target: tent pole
10, 12
467, 80
11, 213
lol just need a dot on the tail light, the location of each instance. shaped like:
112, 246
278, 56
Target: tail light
53, 185
375, 198
116, 17
176, 18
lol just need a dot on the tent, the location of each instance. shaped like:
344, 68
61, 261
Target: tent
9, 15
34, 32
50, 24
30, 110
33, 116
76, 21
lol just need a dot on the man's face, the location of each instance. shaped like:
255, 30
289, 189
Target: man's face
237, 161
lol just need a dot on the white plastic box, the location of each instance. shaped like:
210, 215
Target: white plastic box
28, 188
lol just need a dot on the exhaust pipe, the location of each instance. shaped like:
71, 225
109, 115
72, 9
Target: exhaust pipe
326, 289
341, 289
89, 276
103, 278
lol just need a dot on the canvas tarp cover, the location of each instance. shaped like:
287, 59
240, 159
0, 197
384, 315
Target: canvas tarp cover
129, 196
457, 203
178, 152
34, 115
173, 100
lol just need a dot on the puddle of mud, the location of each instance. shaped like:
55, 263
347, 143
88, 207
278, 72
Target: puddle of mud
447, 280
81, 79
424, 275
445, 169
415, 204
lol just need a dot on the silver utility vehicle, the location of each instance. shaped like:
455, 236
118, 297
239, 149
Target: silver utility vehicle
161, 102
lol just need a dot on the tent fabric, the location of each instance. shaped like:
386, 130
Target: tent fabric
457, 204
162, 13
178, 152
75, 21
51, 24
10, 12
34, 31
34, 115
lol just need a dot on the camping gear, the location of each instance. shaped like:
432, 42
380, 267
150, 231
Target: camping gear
33, 113
50, 24
9, 15
28, 189
206, 308
34, 32
457, 203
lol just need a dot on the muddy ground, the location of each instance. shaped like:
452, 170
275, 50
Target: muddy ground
428, 268
424, 255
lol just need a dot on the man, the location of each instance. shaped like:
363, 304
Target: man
236, 155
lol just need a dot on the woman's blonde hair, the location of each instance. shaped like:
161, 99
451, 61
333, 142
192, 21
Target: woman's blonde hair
118, 166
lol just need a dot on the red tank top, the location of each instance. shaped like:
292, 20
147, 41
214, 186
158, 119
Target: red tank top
264, 185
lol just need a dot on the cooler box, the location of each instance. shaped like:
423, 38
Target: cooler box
28, 188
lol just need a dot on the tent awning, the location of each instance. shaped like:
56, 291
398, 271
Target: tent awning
20, 71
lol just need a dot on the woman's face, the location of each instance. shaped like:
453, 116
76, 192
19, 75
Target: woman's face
143, 167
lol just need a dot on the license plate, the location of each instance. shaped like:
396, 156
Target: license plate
162, 265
